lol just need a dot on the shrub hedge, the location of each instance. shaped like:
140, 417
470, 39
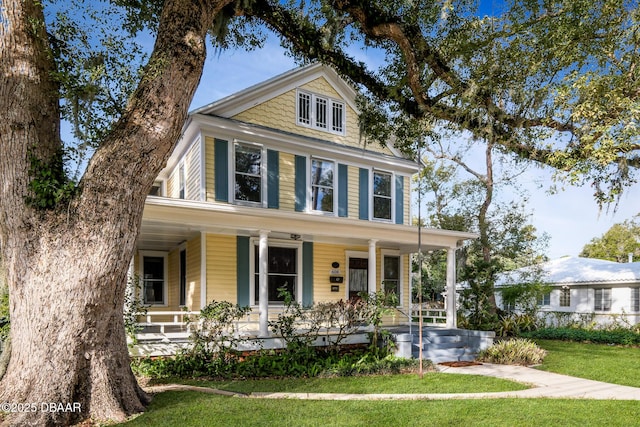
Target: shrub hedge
615, 336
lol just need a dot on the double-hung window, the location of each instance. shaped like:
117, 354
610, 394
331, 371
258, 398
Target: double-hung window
282, 273
391, 277
635, 299
544, 299
602, 299
565, 297
320, 112
154, 278
182, 182
322, 190
382, 195
248, 173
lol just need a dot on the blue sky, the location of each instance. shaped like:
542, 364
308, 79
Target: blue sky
571, 217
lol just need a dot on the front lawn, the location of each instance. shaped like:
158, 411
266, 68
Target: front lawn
600, 362
187, 409
618, 365
433, 382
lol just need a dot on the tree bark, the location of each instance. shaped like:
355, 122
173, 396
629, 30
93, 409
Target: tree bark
66, 267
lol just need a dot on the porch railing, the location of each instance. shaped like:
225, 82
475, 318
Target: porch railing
431, 316
178, 319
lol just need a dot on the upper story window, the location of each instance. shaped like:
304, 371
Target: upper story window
182, 182
382, 195
248, 173
322, 190
320, 112
156, 189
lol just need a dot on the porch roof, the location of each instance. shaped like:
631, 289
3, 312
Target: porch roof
167, 222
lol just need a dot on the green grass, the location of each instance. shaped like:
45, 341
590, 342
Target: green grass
620, 365
187, 409
600, 362
433, 382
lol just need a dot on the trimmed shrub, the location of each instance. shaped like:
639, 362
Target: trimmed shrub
619, 336
517, 351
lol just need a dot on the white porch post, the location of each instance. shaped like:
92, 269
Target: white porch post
371, 274
451, 288
263, 296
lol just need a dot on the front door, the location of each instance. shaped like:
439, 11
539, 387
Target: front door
358, 276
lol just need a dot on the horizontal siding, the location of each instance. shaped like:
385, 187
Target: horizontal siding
193, 273
192, 162
174, 280
210, 184
221, 268
287, 181
280, 113
323, 256
172, 184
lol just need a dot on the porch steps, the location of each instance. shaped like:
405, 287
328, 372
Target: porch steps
450, 345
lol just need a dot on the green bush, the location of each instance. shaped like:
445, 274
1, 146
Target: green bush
620, 336
272, 364
517, 351
516, 324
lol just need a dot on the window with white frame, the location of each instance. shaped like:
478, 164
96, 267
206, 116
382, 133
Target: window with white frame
182, 182
391, 277
565, 297
544, 299
322, 190
320, 112
382, 195
154, 278
282, 273
602, 299
635, 299
156, 189
248, 171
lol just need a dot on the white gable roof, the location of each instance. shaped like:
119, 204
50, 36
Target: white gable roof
574, 270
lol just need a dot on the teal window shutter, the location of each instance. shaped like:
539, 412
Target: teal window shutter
364, 194
307, 274
301, 184
343, 190
242, 268
221, 173
273, 179
399, 199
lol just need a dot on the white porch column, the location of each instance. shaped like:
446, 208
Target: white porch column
451, 289
371, 274
263, 283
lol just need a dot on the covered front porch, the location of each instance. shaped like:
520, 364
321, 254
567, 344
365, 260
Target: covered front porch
210, 251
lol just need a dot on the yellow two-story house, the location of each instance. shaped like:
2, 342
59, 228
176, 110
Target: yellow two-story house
274, 187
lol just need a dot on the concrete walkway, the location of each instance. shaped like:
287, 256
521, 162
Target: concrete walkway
544, 384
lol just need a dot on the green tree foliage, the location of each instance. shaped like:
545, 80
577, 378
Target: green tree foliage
507, 239
554, 82
617, 243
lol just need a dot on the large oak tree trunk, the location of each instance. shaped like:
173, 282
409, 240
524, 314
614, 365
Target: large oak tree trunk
66, 266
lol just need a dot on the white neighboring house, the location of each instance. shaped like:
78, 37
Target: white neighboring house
603, 291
